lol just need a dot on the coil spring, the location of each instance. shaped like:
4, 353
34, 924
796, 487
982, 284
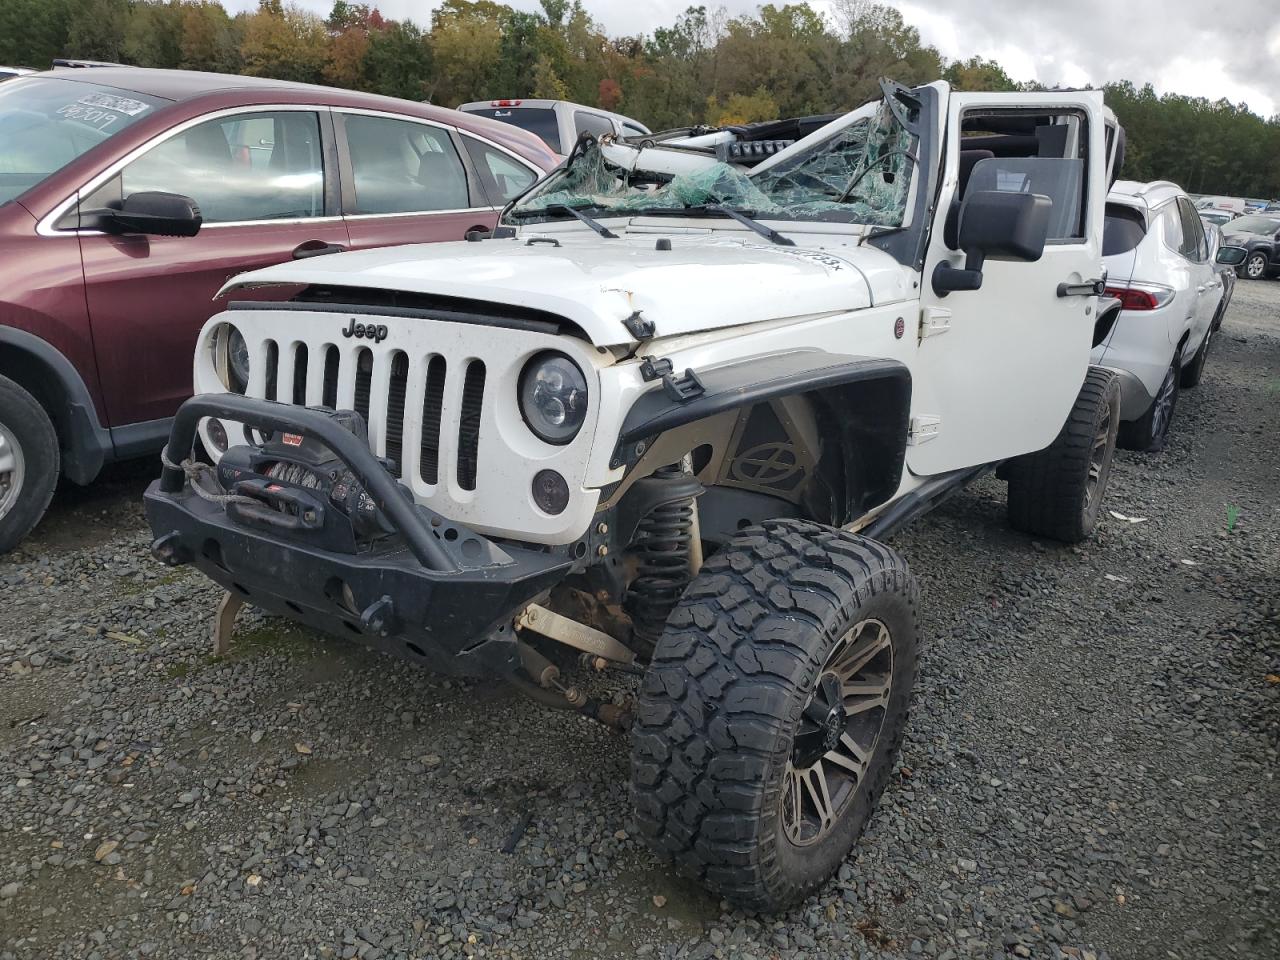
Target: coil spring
662, 551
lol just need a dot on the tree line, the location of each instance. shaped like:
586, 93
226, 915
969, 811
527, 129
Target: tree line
706, 67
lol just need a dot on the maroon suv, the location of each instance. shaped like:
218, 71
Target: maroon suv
127, 198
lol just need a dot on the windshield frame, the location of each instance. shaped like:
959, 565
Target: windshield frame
78, 92
676, 160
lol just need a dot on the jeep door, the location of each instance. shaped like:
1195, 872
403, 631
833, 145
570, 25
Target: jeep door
407, 181
1001, 366
261, 178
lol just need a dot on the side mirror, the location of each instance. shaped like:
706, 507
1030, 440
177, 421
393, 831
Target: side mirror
155, 213
995, 225
1231, 256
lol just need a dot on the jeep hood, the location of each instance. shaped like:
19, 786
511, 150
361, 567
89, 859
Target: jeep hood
701, 283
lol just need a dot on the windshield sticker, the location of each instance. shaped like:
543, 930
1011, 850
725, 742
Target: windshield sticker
102, 110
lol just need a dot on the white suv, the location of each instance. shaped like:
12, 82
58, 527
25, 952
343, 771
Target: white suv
1163, 269
662, 418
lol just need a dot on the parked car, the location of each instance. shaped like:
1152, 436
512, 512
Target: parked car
1226, 273
1235, 205
1216, 217
1259, 235
8, 73
1162, 268
558, 122
646, 427
129, 196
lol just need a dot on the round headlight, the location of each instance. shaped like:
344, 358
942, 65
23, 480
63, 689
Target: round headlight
553, 397
238, 361
231, 358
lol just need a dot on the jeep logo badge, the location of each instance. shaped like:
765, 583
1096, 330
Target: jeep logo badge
369, 331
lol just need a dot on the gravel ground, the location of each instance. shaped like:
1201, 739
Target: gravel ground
1090, 770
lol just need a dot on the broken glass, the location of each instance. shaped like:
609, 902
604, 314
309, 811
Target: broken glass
861, 173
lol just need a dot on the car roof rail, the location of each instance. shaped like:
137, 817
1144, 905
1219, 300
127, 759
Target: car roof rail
1156, 184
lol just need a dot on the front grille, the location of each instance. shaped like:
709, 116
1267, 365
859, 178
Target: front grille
432, 403
469, 424
397, 384
364, 381
380, 386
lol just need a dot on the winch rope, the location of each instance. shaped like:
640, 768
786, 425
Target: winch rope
195, 472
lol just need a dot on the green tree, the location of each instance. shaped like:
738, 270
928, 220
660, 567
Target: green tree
398, 61
285, 42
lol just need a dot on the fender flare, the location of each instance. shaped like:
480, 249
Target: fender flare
86, 443
880, 434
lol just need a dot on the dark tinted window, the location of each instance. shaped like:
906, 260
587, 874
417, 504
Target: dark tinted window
591, 123
251, 166
399, 166
540, 121
1194, 246
1122, 230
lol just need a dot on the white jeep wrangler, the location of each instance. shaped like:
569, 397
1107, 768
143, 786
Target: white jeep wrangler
661, 420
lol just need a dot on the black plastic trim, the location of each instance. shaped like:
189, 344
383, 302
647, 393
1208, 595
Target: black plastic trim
140, 439
750, 381
86, 443
418, 313
921, 500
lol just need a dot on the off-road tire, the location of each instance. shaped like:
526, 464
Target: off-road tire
29, 429
721, 703
1193, 372
1058, 491
1150, 432
1254, 267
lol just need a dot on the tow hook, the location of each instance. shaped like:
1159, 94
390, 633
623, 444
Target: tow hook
380, 617
169, 550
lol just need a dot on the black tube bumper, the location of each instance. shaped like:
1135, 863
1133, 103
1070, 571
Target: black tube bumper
445, 602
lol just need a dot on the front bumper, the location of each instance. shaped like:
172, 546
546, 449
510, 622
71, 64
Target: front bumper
434, 592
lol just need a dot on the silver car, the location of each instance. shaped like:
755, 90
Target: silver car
1164, 269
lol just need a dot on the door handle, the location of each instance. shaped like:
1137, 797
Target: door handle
1200, 289
315, 248
1086, 288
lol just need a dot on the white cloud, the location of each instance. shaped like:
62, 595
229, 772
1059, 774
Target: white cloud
1194, 47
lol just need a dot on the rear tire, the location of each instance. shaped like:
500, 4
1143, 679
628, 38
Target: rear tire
1057, 492
1150, 432
28, 463
795, 641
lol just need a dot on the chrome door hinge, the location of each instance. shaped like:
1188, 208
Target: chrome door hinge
923, 429
933, 321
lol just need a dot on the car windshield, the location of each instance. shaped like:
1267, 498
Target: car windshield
1259, 225
859, 173
46, 122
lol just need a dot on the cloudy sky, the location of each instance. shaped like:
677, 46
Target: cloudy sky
1211, 48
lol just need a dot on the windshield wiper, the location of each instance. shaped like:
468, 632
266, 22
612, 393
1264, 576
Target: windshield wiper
770, 234
595, 225
576, 214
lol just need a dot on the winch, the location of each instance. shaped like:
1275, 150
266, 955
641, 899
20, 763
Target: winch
295, 484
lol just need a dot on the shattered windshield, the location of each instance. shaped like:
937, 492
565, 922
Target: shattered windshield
861, 173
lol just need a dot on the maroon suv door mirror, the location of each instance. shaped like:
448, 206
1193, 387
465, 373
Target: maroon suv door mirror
155, 213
